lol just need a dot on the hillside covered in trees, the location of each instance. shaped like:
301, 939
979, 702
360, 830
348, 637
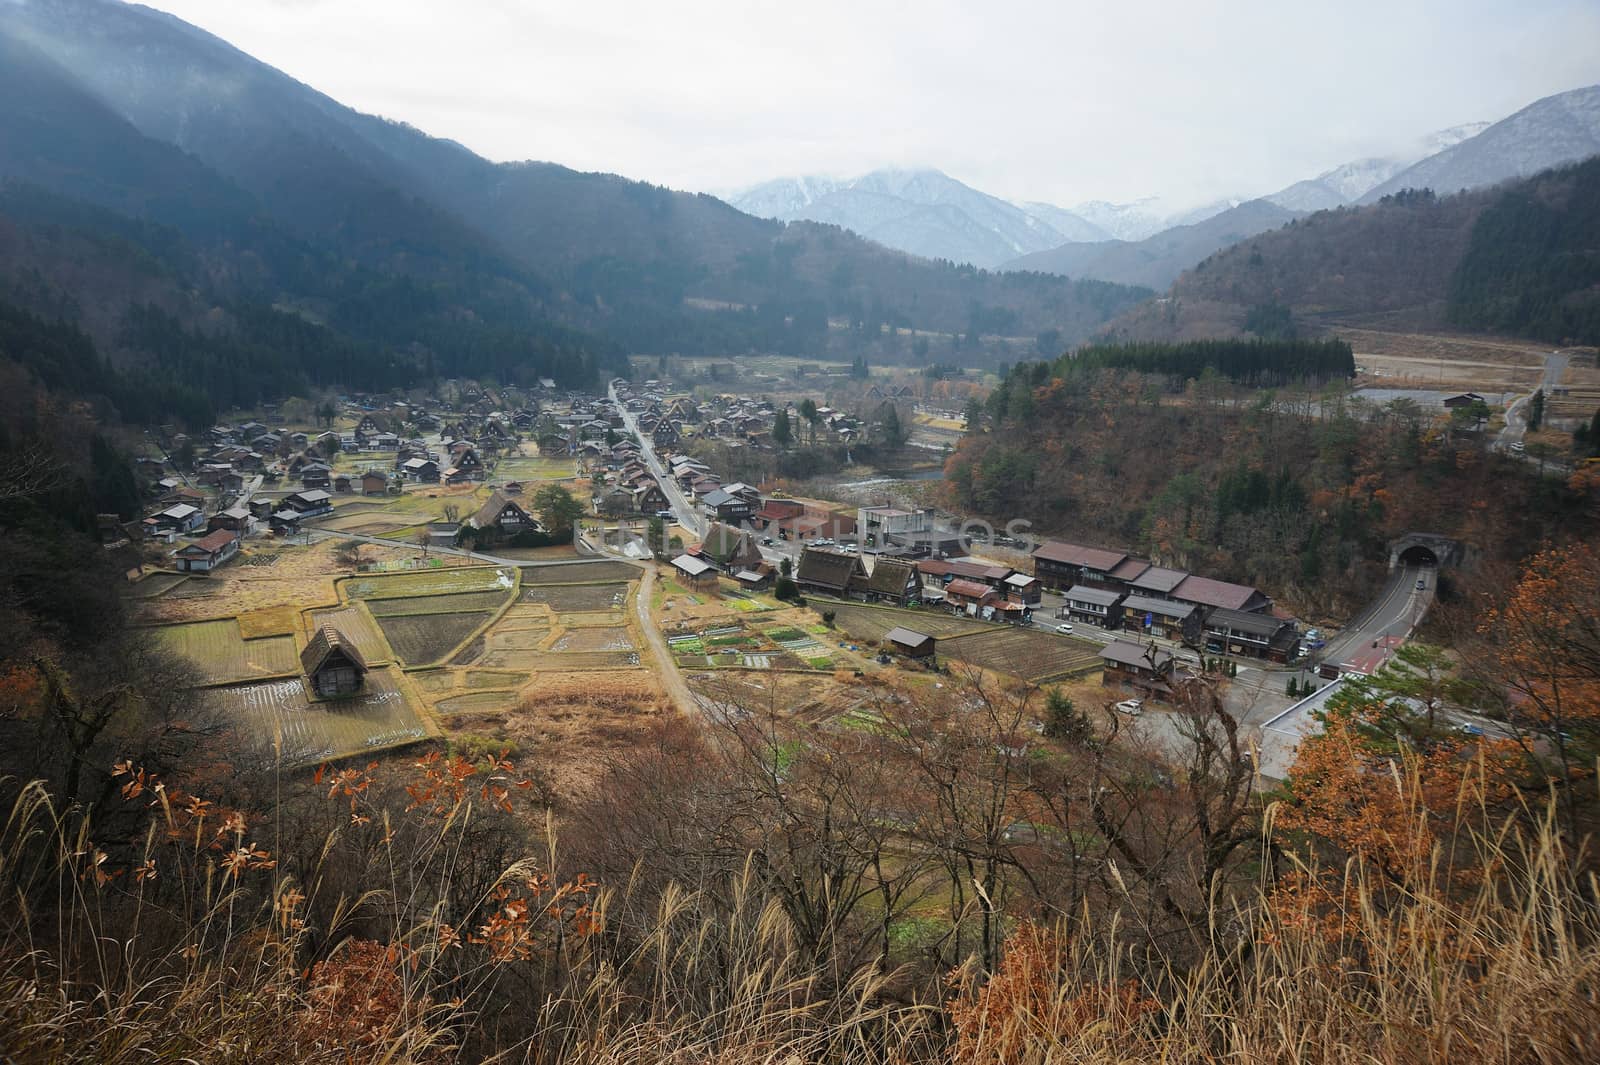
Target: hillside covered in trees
274, 197
1518, 258
1297, 491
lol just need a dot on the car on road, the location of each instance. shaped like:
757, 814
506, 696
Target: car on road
766, 541
1131, 707
1467, 728
1422, 583
663, 513
1063, 629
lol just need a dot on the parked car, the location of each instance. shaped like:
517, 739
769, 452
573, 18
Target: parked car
1131, 707
663, 513
1467, 728
1063, 629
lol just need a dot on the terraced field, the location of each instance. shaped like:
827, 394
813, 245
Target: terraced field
280, 713
541, 468
223, 656
423, 639
579, 573
442, 581
356, 625
438, 604
594, 639
1034, 656
563, 598
156, 584
871, 622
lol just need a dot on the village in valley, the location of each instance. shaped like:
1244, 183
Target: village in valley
500, 568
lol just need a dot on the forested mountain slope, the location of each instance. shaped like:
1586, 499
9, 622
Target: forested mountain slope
614, 256
1518, 258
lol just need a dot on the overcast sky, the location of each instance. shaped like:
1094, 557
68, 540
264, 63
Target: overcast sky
1060, 101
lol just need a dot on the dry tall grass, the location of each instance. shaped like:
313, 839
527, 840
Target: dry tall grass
1506, 971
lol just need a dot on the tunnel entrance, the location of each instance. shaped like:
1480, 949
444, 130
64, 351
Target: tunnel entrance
1417, 555
1425, 549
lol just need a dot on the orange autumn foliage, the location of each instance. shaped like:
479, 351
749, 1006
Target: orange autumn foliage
1025, 1005
358, 1001
1547, 637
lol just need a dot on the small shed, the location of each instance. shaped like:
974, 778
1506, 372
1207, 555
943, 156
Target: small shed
908, 643
332, 664
696, 574
754, 580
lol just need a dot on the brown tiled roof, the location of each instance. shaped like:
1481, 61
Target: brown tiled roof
969, 589
1207, 592
1130, 569
212, 542
978, 571
1157, 579
1078, 555
326, 641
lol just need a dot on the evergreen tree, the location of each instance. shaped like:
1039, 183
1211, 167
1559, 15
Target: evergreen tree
782, 434
1536, 409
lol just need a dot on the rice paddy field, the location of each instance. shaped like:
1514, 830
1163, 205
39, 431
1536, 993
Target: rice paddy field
577, 597
1030, 654
871, 622
450, 602
1034, 656
540, 468
442, 581
579, 573
223, 656
279, 715
357, 626
423, 639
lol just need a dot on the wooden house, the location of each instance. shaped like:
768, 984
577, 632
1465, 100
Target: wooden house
1146, 670
333, 664
208, 552
695, 574
824, 572
908, 643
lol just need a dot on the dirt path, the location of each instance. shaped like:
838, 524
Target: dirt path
666, 666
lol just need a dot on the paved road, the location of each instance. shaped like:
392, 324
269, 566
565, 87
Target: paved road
686, 514
1555, 366
1371, 637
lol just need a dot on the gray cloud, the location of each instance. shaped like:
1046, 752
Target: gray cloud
1059, 101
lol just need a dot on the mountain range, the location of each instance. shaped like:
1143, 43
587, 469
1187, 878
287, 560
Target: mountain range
149, 168
1514, 258
924, 212
1148, 242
